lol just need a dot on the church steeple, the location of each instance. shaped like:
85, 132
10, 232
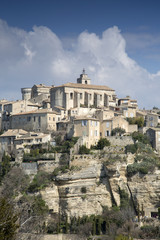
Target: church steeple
84, 78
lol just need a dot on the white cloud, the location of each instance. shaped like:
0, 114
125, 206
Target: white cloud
39, 56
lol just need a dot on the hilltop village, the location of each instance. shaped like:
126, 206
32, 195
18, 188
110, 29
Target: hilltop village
82, 161
82, 110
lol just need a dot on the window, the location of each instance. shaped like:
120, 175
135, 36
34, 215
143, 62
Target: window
34, 118
90, 96
71, 95
131, 114
86, 82
84, 122
53, 119
100, 97
126, 114
96, 133
96, 123
81, 95
49, 118
28, 119
107, 124
58, 118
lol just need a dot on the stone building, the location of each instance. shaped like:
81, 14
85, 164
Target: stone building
154, 137
40, 89
116, 122
151, 119
7, 140
42, 120
86, 128
15, 107
82, 94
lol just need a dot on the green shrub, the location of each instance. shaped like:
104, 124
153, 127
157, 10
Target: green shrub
118, 131
84, 150
103, 142
140, 137
131, 148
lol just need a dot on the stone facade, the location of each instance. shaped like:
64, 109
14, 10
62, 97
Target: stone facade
82, 93
117, 122
39, 121
154, 136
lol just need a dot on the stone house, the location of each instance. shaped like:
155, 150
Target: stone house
7, 140
31, 138
116, 122
82, 94
84, 127
42, 120
15, 107
154, 137
151, 119
127, 101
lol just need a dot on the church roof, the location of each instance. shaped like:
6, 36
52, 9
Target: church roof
85, 86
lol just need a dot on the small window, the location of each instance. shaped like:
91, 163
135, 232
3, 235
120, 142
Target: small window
90, 96
100, 97
71, 95
49, 118
86, 82
28, 119
53, 119
96, 133
84, 122
107, 124
96, 123
34, 118
81, 95
58, 118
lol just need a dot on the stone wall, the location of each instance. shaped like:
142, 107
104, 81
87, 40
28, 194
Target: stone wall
120, 140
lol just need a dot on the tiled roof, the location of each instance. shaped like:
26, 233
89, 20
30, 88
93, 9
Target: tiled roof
13, 132
36, 112
86, 86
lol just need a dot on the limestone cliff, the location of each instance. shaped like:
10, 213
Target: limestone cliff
94, 181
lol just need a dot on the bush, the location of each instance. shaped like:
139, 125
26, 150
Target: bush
118, 131
84, 150
103, 142
140, 137
131, 148
136, 120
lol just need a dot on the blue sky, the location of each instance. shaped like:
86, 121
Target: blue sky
50, 37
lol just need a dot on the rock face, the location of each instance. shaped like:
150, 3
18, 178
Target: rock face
91, 184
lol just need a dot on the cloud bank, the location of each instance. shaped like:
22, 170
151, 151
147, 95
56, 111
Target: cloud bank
39, 56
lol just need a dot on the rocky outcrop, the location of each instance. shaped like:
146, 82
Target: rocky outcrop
94, 182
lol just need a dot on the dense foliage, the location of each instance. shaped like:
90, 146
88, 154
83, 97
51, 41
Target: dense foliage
84, 150
136, 120
103, 142
118, 131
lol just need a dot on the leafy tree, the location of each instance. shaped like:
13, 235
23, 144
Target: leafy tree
84, 150
8, 220
117, 131
103, 142
136, 120
140, 137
